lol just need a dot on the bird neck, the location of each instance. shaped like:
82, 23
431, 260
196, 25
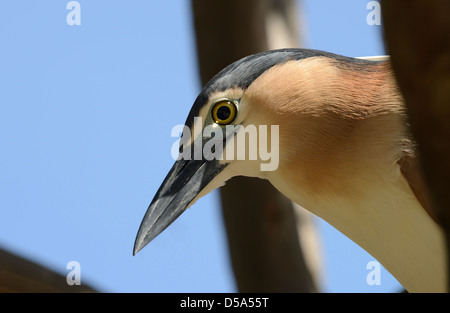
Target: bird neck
338, 159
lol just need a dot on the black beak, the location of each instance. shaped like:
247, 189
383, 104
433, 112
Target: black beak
185, 181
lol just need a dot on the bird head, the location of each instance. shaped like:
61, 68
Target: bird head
237, 126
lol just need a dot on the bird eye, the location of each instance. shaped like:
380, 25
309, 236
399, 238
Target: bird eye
223, 112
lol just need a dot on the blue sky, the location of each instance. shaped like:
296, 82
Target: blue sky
86, 114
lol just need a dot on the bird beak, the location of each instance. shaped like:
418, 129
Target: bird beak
185, 181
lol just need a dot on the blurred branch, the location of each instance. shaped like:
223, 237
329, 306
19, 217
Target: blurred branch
261, 223
20, 275
417, 33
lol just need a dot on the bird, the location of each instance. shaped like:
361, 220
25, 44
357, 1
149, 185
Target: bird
341, 147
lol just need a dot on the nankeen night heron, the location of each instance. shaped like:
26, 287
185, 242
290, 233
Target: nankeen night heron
341, 149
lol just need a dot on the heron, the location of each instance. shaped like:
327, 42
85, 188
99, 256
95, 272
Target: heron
342, 146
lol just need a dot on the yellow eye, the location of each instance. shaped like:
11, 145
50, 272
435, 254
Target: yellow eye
224, 112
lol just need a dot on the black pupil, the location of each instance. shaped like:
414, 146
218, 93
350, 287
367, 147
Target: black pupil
223, 113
